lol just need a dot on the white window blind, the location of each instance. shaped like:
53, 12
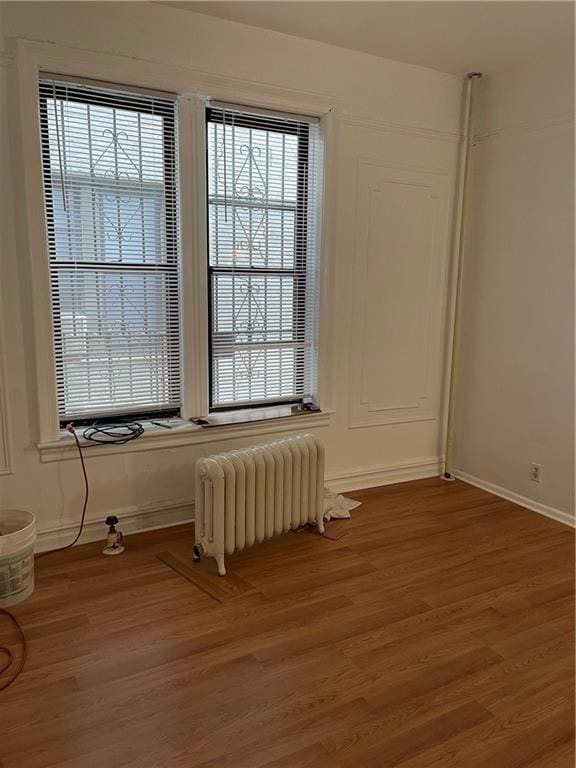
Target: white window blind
264, 180
109, 161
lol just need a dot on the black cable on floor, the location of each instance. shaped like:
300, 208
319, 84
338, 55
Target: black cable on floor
10, 655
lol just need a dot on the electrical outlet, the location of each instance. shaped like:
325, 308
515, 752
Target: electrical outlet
535, 472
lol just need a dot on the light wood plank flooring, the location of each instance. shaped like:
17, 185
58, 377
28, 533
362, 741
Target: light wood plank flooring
438, 631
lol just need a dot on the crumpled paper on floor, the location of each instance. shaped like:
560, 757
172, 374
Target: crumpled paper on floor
337, 506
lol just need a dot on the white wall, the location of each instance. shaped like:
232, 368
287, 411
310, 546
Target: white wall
397, 151
515, 382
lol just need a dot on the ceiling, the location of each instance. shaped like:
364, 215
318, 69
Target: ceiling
454, 37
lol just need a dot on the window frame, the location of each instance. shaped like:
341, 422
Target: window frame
298, 271
37, 59
66, 91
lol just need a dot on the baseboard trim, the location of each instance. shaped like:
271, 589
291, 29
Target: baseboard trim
372, 477
179, 511
132, 520
516, 498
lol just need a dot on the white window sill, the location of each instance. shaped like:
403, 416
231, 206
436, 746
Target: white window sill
158, 438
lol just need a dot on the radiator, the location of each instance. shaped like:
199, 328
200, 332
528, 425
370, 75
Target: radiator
246, 496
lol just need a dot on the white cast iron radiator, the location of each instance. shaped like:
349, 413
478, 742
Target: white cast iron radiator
249, 495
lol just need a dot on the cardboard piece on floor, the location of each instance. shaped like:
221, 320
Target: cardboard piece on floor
204, 576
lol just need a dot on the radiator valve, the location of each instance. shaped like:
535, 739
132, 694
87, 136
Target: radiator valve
198, 552
114, 538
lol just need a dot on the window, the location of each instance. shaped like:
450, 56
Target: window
109, 161
263, 192
128, 310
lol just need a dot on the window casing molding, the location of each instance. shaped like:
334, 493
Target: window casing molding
158, 438
34, 58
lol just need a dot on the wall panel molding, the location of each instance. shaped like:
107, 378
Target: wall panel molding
6, 59
372, 477
404, 129
5, 452
5, 468
5, 462
518, 129
398, 295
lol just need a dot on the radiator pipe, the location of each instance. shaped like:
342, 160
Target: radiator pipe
460, 244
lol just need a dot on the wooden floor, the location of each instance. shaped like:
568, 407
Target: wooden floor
438, 631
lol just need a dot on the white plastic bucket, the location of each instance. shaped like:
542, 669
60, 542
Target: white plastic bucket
17, 536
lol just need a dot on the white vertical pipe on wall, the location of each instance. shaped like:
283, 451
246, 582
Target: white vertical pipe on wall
460, 244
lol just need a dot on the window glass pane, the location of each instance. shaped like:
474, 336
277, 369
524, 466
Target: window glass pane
254, 308
116, 338
251, 164
245, 376
251, 237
